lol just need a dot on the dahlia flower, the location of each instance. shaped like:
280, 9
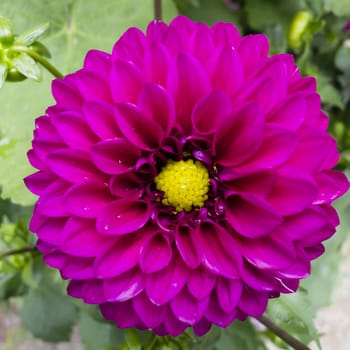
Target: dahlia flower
347, 26
185, 178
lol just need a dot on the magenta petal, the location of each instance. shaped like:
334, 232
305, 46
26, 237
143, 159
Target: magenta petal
203, 45
215, 253
241, 209
277, 147
155, 254
115, 156
291, 114
124, 287
156, 103
74, 289
257, 279
50, 231
123, 314
229, 293
228, 72
187, 309
217, 315
98, 62
130, 46
87, 199
126, 185
270, 252
300, 269
257, 184
201, 282
173, 326
139, 129
332, 184
292, 193
202, 327
155, 30
162, 286
123, 216
80, 238
120, 257
187, 82
225, 34
78, 268
73, 165
51, 201
210, 111
93, 87
126, 81
314, 149
239, 137
252, 50
185, 238
101, 119
92, 292
253, 302
66, 93
150, 314
314, 251
74, 131
156, 63
306, 223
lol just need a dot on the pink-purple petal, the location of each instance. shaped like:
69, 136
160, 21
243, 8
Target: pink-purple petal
210, 112
240, 209
164, 285
115, 156
87, 199
138, 128
124, 287
73, 165
155, 254
123, 216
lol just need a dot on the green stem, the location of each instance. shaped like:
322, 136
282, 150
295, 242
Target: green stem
151, 343
40, 59
158, 10
18, 251
285, 336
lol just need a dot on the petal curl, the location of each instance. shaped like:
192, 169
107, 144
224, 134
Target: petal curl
123, 216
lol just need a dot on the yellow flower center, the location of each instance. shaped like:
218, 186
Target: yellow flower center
185, 184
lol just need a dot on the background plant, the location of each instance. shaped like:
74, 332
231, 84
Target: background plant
312, 30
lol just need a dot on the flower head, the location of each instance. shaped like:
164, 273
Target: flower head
184, 179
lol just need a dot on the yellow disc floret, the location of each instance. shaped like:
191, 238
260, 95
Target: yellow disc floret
185, 184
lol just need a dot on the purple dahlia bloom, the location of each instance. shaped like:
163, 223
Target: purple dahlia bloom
184, 179
347, 26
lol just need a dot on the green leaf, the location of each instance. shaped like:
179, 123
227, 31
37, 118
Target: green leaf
132, 339
294, 313
338, 7
10, 285
75, 27
27, 66
96, 335
48, 314
29, 36
240, 335
262, 14
6, 28
330, 95
3, 73
342, 58
209, 11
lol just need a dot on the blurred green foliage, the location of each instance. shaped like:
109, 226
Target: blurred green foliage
311, 30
